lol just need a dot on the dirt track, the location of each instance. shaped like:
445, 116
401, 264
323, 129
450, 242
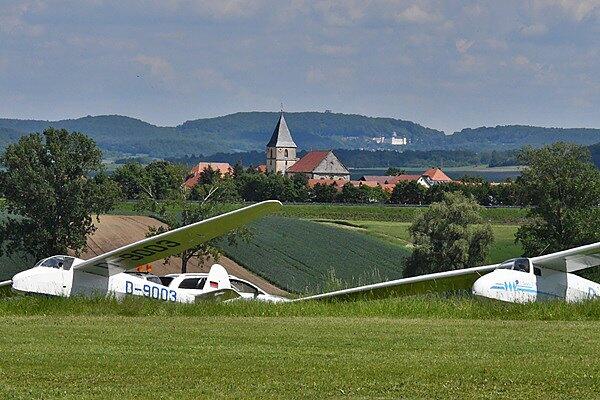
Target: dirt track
115, 231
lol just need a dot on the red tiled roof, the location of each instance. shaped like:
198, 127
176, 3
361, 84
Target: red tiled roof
196, 172
339, 183
436, 174
309, 162
262, 168
326, 182
223, 168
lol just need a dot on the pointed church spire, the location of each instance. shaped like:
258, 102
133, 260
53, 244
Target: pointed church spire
281, 135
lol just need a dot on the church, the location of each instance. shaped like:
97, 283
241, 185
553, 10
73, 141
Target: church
282, 158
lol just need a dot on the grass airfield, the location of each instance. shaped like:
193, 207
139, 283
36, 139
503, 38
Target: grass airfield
418, 347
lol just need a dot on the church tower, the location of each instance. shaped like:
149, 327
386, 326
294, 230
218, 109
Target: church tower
281, 149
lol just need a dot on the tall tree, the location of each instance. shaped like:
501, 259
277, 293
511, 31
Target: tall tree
50, 193
562, 187
448, 236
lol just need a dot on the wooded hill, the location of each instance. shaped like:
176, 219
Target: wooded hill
249, 131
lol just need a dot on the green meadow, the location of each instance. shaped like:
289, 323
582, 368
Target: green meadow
418, 348
502, 249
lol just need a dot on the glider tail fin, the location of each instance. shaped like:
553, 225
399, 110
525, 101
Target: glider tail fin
217, 278
217, 286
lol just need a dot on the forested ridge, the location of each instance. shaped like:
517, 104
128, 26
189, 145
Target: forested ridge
249, 131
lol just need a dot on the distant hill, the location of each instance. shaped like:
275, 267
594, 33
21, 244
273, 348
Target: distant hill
250, 131
231, 133
516, 136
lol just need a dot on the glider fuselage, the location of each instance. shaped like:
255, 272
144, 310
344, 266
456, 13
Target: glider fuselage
57, 281
545, 284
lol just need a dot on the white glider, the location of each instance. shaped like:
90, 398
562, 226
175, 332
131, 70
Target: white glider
519, 280
104, 274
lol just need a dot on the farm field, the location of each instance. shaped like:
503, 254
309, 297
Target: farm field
361, 212
503, 248
425, 348
305, 256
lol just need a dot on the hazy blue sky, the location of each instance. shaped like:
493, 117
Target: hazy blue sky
445, 64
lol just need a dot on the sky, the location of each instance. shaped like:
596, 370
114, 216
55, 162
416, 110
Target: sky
444, 64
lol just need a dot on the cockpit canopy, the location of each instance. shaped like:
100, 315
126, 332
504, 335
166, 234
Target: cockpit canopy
60, 262
517, 264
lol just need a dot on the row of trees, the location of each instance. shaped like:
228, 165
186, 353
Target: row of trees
159, 179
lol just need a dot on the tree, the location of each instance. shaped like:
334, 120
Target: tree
164, 178
324, 193
393, 171
562, 187
408, 192
132, 179
179, 210
448, 236
50, 192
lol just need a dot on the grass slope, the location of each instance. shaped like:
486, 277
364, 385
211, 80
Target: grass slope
359, 212
377, 212
301, 256
504, 246
80, 349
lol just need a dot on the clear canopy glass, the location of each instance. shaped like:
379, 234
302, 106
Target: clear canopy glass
60, 262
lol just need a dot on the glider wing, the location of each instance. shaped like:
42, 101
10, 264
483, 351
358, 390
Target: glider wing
174, 241
440, 282
571, 260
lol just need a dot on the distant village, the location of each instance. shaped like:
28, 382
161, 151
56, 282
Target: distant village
320, 167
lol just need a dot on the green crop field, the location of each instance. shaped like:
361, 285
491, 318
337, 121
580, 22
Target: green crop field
361, 212
306, 256
419, 348
502, 249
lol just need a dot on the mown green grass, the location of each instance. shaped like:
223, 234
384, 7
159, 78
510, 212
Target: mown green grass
397, 348
502, 249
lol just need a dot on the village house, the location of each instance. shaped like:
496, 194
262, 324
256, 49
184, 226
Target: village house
196, 172
429, 178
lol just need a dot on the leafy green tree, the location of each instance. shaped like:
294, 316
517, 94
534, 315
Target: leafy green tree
448, 236
562, 187
165, 178
132, 179
324, 193
393, 171
408, 192
209, 176
50, 194
349, 194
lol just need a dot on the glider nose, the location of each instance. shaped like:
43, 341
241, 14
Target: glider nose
479, 287
19, 281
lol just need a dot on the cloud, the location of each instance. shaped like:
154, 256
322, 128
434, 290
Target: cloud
416, 14
540, 71
333, 76
463, 45
13, 21
331, 49
158, 67
218, 10
534, 30
213, 79
575, 9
